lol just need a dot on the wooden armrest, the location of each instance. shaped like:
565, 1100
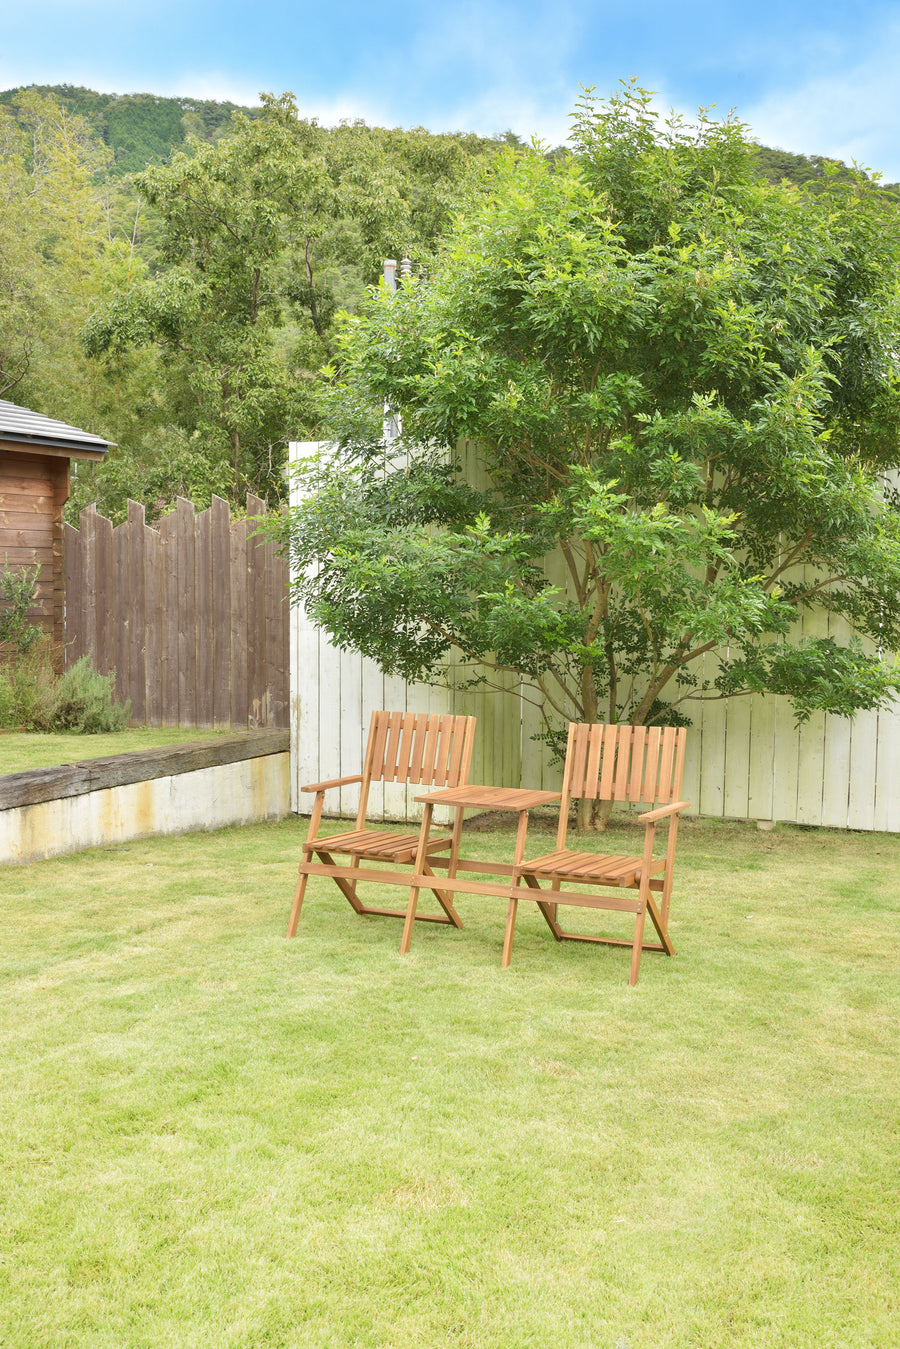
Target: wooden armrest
651, 816
333, 782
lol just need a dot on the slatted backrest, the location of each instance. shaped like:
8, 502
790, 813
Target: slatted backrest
420, 748
623, 763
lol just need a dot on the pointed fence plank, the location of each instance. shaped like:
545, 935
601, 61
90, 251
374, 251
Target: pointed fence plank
203, 696
220, 602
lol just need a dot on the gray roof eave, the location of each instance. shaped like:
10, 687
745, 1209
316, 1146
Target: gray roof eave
21, 426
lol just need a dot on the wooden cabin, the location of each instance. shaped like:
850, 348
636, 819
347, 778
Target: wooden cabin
35, 456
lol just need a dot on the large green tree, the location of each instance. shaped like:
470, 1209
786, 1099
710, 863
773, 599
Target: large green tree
678, 380
261, 235
61, 256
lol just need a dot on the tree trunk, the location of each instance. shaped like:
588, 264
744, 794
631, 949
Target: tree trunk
591, 814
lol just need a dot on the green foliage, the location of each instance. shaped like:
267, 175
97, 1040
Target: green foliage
679, 381
17, 594
139, 129
165, 463
27, 690
262, 235
182, 356
207, 288
66, 245
85, 702
34, 698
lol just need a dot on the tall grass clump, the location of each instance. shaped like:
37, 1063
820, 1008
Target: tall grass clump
18, 587
84, 701
33, 697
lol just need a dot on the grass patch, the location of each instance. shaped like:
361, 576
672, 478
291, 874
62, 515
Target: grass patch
215, 1137
22, 750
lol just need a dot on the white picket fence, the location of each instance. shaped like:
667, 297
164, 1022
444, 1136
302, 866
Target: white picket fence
746, 758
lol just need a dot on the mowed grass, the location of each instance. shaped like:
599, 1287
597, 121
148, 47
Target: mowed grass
215, 1137
23, 750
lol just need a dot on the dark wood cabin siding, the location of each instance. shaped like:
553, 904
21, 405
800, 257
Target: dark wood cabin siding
33, 491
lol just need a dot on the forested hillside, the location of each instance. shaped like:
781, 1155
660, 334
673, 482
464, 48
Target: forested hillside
139, 129
143, 129
171, 269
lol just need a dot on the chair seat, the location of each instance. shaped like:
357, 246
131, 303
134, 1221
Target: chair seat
598, 867
375, 843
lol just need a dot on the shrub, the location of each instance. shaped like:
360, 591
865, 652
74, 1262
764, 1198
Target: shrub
7, 699
34, 698
17, 592
85, 702
28, 699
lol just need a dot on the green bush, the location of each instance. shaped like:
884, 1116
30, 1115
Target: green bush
28, 681
17, 592
7, 699
85, 702
34, 698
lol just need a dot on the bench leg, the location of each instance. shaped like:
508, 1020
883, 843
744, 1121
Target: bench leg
298, 904
510, 933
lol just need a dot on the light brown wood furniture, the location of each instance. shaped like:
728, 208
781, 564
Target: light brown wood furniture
518, 799
611, 763
415, 748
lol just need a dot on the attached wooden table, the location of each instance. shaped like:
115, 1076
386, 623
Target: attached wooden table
518, 799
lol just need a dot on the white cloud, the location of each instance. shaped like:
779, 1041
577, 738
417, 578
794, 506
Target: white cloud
477, 68
499, 110
850, 113
215, 85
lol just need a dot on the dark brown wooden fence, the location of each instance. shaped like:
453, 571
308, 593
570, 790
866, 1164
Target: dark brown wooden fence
191, 615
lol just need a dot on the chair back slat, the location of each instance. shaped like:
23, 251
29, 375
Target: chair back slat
579, 741
636, 780
388, 766
454, 776
419, 766
623, 764
651, 765
592, 760
665, 766
680, 738
405, 747
378, 731
443, 754
608, 766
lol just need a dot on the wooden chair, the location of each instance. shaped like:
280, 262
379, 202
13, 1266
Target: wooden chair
414, 748
612, 763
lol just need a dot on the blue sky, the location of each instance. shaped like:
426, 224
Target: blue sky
819, 78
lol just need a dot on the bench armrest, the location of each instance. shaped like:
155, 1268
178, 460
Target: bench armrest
651, 816
334, 782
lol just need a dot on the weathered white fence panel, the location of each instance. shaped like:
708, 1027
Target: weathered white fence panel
745, 759
333, 695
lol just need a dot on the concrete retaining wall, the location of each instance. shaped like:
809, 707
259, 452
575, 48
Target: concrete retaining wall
238, 779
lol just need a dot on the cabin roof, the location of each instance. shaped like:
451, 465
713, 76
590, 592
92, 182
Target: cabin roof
22, 428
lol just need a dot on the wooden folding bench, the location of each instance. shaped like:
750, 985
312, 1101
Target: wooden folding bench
403, 747
611, 763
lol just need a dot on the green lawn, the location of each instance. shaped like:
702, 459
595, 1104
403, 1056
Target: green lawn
21, 750
215, 1137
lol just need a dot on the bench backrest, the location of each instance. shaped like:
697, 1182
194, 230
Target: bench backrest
623, 763
421, 748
